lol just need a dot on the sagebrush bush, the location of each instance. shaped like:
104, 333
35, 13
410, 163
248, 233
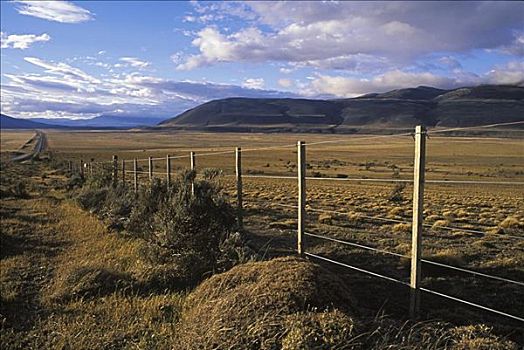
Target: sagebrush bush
397, 194
196, 227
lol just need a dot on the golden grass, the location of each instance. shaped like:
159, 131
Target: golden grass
12, 140
59, 260
252, 304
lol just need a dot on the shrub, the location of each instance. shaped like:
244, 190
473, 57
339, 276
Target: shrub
146, 205
74, 182
194, 226
397, 194
92, 199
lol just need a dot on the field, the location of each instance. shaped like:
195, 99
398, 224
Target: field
13, 140
475, 225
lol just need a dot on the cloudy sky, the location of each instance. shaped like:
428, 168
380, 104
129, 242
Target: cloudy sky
87, 58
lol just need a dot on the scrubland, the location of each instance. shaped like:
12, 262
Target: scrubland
70, 278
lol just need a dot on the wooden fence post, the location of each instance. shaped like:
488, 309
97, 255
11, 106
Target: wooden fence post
81, 167
91, 168
70, 166
115, 170
193, 167
301, 155
240, 219
123, 172
168, 170
418, 210
135, 174
150, 168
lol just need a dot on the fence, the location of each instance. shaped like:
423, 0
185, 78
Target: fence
417, 223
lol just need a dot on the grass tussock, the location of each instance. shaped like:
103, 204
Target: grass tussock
401, 228
251, 305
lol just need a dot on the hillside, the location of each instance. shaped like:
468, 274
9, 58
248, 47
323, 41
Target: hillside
401, 108
7, 122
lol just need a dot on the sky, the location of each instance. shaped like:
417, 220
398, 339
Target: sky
82, 59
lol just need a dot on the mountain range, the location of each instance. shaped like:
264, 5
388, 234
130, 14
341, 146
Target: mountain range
397, 109
403, 108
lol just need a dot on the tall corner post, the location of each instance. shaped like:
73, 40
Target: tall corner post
301, 155
418, 211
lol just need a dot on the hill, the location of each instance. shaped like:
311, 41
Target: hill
403, 108
7, 122
104, 121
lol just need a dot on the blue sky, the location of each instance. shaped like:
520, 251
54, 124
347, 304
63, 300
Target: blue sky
87, 58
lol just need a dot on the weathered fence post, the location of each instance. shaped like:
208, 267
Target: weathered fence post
168, 170
135, 174
123, 172
240, 220
91, 168
418, 210
193, 168
70, 165
150, 168
301, 155
81, 167
115, 170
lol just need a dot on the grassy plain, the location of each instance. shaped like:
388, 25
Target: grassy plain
12, 140
496, 211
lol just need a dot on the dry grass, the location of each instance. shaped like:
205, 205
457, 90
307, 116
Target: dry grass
68, 283
123, 273
250, 306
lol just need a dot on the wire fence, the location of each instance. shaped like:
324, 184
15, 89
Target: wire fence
303, 208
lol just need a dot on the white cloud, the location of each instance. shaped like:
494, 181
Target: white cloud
253, 83
135, 62
61, 68
285, 83
511, 74
62, 90
356, 36
21, 41
58, 11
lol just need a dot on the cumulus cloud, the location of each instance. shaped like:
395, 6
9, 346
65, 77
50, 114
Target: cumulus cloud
357, 35
511, 74
58, 11
21, 41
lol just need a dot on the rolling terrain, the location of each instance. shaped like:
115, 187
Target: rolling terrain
396, 109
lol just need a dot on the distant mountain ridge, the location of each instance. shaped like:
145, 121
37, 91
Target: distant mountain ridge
101, 122
7, 122
402, 108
